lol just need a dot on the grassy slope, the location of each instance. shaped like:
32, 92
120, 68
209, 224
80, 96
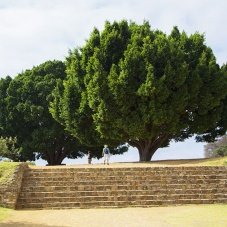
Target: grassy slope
215, 161
197, 162
6, 171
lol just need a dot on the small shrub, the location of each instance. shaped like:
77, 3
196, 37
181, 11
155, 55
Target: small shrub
221, 151
8, 148
30, 163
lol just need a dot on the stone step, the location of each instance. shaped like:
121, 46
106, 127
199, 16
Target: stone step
26, 188
124, 182
125, 177
53, 188
125, 172
115, 168
129, 169
114, 204
121, 198
120, 192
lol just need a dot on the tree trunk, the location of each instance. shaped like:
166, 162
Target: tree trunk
147, 148
146, 153
56, 157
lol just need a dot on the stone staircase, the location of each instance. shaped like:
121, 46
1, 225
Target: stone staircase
65, 187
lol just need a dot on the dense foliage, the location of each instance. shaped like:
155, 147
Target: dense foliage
26, 100
4, 84
221, 126
132, 84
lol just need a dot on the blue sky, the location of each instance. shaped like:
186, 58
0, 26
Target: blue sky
33, 31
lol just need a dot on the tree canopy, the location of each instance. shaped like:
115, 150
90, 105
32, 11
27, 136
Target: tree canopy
4, 84
26, 104
212, 134
131, 84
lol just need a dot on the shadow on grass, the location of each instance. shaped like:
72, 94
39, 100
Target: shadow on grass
19, 224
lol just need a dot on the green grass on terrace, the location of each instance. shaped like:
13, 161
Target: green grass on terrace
6, 171
222, 161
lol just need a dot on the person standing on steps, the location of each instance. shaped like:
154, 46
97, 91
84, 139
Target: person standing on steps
89, 157
106, 154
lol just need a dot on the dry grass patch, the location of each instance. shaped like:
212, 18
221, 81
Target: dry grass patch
215, 162
222, 161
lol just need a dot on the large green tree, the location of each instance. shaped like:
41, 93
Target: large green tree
28, 118
141, 86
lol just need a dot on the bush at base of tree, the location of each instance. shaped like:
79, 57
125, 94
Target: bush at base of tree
221, 151
217, 148
8, 149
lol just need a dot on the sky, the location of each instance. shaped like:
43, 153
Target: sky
34, 31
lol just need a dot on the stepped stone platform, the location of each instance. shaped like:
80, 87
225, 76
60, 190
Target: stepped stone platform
121, 185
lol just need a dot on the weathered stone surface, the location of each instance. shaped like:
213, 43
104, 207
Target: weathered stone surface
59, 188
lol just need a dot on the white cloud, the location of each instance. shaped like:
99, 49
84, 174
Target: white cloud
32, 32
